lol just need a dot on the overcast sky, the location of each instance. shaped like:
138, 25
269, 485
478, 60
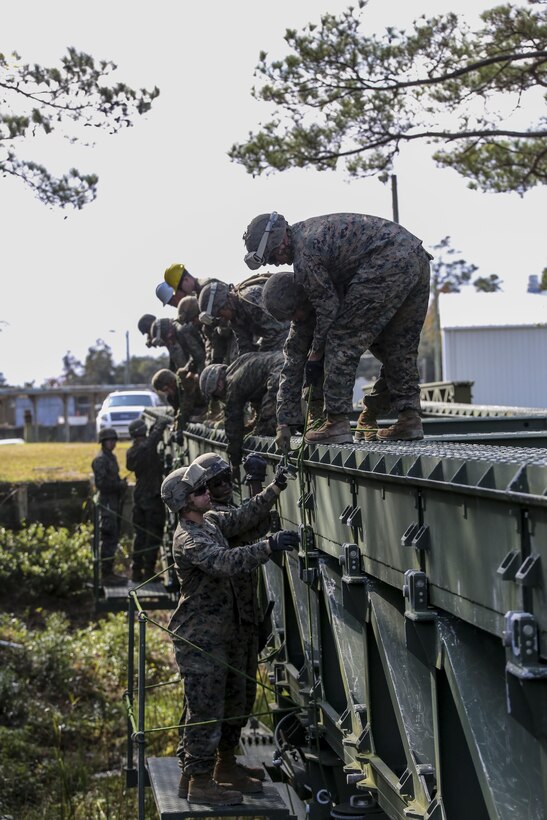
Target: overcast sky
168, 192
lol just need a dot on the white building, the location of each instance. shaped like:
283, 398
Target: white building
498, 341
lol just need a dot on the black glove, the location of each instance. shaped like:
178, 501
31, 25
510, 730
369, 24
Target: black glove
314, 372
283, 540
255, 467
283, 473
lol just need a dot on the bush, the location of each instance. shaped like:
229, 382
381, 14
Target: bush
46, 560
62, 719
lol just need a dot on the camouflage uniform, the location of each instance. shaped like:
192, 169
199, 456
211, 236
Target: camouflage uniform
212, 617
111, 491
245, 591
220, 343
254, 328
183, 402
192, 343
253, 378
368, 281
143, 459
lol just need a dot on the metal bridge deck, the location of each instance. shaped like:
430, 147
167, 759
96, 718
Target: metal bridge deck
443, 448
164, 773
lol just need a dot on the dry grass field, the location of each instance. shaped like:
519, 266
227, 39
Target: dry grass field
53, 461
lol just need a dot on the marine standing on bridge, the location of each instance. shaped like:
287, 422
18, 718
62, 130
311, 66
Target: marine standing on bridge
209, 626
111, 492
366, 281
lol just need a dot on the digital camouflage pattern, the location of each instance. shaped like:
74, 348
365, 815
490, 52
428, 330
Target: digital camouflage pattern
111, 490
220, 343
368, 280
163, 334
209, 615
192, 343
253, 326
143, 459
254, 378
257, 525
214, 692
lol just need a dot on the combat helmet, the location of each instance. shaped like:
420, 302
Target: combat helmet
160, 331
106, 434
163, 378
188, 309
213, 463
212, 298
208, 379
264, 233
181, 483
219, 476
145, 323
137, 428
282, 295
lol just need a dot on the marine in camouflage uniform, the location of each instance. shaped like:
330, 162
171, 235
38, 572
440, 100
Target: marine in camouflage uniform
188, 333
367, 280
163, 333
254, 328
143, 459
111, 490
244, 584
209, 622
181, 391
253, 378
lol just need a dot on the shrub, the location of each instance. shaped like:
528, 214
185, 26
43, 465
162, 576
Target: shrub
46, 560
62, 719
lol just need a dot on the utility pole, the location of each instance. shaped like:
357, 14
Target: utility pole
126, 357
394, 198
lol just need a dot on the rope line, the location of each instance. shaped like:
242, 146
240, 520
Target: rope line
189, 643
212, 721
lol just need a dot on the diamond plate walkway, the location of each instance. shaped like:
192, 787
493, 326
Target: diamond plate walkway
164, 776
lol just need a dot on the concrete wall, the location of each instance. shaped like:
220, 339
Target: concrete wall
55, 503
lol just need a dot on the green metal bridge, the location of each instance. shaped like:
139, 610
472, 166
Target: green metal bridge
408, 651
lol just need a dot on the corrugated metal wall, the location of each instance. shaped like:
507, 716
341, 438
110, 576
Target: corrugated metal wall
507, 364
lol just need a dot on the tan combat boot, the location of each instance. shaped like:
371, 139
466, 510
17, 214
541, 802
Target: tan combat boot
335, 430
202, 788
183, 785
316, 414
408, 427
367, 426
230, 773
228, 758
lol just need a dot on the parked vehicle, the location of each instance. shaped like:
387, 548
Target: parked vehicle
122, 406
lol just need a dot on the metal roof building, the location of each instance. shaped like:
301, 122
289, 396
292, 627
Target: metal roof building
498, 341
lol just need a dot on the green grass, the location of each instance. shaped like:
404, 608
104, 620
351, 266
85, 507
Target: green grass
53, 461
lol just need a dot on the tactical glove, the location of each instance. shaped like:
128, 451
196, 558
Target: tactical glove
283, 540
255, 467
283, 438
283, 473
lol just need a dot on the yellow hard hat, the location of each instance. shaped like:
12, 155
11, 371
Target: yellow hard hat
174, 274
